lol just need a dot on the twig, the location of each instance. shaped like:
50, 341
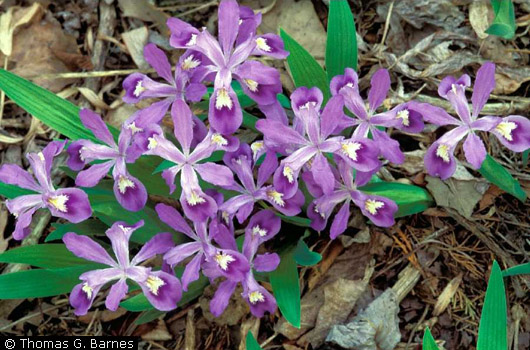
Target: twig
387, 25
2, 93
30, 316
198, 8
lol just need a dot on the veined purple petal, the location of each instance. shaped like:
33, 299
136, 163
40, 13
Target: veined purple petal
129, 191
119, 234
270, 45
93, 175
134, 86
71, 204
228, 24
183, 35
349, 79
101, 276
158, 60
14, 175
210, 48
241, 53
388, 147
360, 153
486, 123
147, 117
162, 290
258, 298
82, 297
116, 294
267, 168
95, 123
474, 150
191, 272
22, 229
223, 236
446, 85
195, 92
221, 297
379, 210
240, 205
41, 163
266, 262
181, 252
173, 219
195, 203
380, 85
457, 97
229, 263
215, 174
304, 98
183, 123
513, 132
274, 111
279, 133
331, 116
225, 113
484, 85
322, 173
291, 206
84, 247
169, 176
259, 82
159, 244
340, 222
319, 220
75, 162
262, 227
440, 161
436, 115
354, 102
247, 24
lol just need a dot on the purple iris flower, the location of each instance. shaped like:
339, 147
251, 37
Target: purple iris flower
228, 60
129, 191
68, 203
185, 85
379, 210
196, 204
263, 226
162, 289
226, 262
242, 162
309, 139
512, 131
406, 116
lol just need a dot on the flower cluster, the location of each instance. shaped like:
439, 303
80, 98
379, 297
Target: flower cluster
330, 149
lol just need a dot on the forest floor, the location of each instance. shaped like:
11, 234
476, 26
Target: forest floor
437, 261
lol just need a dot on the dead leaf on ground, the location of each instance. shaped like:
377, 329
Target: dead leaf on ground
479, 18
158, 333
135, 40
144, 10
447, 295
36, 48
376, 328
13, 18
461, 192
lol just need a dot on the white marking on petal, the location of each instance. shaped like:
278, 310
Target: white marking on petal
261, 44
138, 89
256, 147
256, 230
124, 183
225, 216
404, 116
276, 197
134, 129
453, 88
190, 62
505, 129
41, 156
193, 40
59, 202
372, 206
81, 156
223, 99
288, 173
219, 140
154, 283
322, 215
252, 85
88, 290
194, 198
152, 143
443, 152
350, 149
308, 105
124, 229
223, 260
255, 297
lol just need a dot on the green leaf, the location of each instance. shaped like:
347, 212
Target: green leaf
140, 303
286, 287
410, 199
295, 220
41, 283
42, 255
251, 342
428, 341
250, 121
148, 316
341, 45
504, 22
90, 227
492, 334
499, 176
525, 157
523, 269
12, 191
304, 256
305, 70
47, 107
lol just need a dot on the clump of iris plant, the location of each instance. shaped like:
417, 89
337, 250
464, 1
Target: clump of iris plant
331, 151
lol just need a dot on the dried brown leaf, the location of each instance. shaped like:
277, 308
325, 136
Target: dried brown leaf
135, 40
